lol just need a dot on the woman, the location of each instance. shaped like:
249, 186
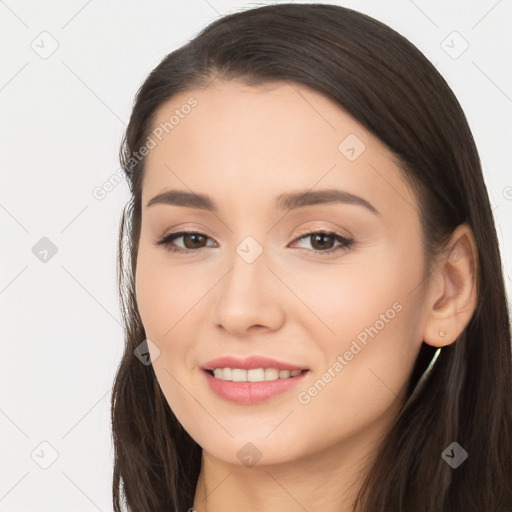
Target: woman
313, 298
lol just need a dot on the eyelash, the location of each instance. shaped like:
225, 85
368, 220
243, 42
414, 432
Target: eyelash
346, 243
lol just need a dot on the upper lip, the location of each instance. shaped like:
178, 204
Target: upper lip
249, 363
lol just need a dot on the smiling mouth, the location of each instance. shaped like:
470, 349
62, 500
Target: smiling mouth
253, 375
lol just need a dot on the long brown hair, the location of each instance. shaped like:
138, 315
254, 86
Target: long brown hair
387, 85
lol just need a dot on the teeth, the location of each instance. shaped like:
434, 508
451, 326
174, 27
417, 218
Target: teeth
238, 375
271, 374
253, 375
256, 375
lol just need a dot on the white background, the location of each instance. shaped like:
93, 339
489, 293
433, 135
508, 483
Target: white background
61, 122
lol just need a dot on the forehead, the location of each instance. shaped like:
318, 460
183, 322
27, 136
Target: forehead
260, 140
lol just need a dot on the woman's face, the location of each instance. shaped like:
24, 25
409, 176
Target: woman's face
254, 283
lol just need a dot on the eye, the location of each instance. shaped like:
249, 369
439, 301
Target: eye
320, 240
191, 239
194, 241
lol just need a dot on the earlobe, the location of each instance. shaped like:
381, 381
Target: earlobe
452, 301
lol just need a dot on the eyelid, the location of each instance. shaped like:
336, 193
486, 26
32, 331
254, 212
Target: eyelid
319, 229
301, 231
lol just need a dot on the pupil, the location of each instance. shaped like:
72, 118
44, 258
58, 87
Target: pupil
317, 239
192, 236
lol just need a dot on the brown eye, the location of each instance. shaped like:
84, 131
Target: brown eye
321, 241
192, 241
195, 240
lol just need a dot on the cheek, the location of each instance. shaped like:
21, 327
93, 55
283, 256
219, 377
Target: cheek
151, 298
365, 372
340, 301
367, 329
165, 293
164, 297
173, 303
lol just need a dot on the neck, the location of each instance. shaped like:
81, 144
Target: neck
327, 481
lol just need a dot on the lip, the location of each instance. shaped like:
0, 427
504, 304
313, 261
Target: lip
249, 363
251, 393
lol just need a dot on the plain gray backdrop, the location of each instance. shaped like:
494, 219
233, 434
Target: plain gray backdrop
69, 72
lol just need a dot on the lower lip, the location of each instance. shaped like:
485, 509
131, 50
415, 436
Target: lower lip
251, 393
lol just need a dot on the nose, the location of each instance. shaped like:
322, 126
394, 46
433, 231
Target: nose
249, 297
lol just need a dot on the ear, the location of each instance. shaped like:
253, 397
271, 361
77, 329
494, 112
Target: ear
453, 294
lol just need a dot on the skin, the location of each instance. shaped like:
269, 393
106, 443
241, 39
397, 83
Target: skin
243, 146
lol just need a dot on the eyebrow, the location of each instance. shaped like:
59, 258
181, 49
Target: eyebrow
285, 201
